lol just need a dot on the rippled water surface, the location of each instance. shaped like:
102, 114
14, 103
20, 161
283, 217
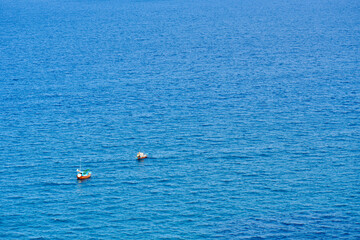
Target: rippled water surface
249, 111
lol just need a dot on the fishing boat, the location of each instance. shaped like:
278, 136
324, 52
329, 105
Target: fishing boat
141, 155
83, 174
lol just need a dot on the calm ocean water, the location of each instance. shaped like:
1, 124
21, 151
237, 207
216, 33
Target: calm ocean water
249, 111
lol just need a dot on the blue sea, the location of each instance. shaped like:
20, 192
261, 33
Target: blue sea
249, 111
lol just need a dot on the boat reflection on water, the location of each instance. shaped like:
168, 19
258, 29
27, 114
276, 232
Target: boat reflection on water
83, 180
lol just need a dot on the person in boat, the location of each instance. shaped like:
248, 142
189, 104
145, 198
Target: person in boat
140, 155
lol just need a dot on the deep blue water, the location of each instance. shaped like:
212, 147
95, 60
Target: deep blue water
249, 111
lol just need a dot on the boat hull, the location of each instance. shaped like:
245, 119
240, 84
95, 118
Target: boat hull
83, 177
143, 157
